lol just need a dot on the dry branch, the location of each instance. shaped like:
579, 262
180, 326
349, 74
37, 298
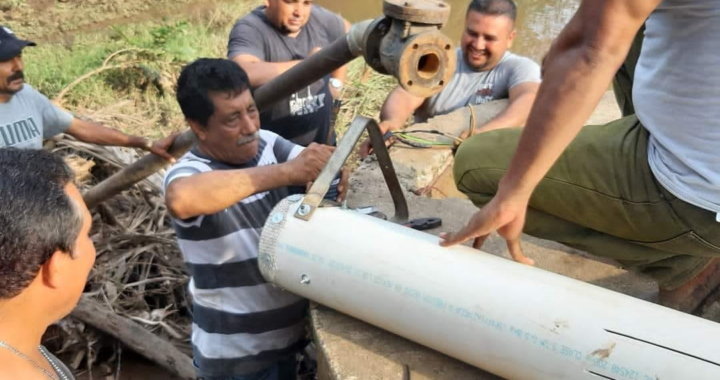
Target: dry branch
135, 337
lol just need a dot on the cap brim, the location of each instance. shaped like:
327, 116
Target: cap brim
12, 49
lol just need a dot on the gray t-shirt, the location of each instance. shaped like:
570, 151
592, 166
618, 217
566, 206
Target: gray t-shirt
304, 117
471, 87
29, 118
677, 98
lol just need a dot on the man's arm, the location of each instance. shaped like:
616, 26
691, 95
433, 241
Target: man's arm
521, 99
212, 192
342, 71
578, 70
261, 72
398, 107
94, 133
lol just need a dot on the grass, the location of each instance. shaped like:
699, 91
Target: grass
139, 99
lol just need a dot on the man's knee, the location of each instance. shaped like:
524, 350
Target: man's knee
481, 161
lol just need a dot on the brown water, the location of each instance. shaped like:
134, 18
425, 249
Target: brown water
539, 21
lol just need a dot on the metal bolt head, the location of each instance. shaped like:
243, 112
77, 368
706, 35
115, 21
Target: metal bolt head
277, 218
295, 198
305, 279
304, 210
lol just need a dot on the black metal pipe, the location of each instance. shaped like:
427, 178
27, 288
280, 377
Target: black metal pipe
303, 74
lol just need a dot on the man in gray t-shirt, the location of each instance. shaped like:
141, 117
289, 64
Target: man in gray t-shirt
486, 71
27, 117
274, 38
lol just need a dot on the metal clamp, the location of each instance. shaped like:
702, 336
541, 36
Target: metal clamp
320, 187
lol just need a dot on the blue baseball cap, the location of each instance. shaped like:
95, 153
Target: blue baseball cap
10, 45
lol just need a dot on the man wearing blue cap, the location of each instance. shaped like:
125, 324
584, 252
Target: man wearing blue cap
27, 117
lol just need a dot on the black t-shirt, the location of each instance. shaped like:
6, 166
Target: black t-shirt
305, 116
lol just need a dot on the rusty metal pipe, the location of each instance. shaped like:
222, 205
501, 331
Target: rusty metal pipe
312, 68
302, 75
407, 59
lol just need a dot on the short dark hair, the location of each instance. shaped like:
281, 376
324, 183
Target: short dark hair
494, 8
204, 76
36, 214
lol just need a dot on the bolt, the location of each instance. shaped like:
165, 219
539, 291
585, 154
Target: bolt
277, 218
304, 210
295, 197
305, 279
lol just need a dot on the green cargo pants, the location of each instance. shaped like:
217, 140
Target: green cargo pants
601, 197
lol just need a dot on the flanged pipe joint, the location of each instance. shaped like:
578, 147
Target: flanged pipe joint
407, 44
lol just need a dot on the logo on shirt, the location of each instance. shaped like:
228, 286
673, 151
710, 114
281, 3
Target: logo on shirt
19, 132
484, 94
300, 106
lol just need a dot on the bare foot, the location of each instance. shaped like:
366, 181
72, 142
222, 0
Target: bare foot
690, 295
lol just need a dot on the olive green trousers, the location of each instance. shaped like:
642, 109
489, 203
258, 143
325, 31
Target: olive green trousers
601, 197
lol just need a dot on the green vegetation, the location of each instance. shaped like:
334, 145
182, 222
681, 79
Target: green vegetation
134, 67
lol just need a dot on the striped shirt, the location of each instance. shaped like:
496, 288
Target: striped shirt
241, 324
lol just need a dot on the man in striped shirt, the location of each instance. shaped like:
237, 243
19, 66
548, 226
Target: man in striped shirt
220, 195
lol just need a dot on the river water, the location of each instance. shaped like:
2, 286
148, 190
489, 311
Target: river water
539, 21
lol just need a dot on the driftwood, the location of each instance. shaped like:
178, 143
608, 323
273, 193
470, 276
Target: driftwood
135, 337
136, 292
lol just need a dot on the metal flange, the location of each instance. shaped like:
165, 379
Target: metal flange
436, 12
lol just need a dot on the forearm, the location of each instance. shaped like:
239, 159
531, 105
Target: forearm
398, 107
212, 192
340, 73
94, 133
261, 73
576, 76
514, 115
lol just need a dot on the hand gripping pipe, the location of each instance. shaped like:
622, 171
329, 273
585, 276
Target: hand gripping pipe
516, 321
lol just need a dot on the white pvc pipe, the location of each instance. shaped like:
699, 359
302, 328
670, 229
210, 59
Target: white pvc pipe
513, 320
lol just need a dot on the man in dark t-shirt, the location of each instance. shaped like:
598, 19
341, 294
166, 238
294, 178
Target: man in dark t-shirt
274, 38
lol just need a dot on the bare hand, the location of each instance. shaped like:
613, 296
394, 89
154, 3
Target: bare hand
504, 214
160, 147
366, 147
307, 165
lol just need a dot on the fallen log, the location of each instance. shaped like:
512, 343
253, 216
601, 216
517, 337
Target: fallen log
135, 337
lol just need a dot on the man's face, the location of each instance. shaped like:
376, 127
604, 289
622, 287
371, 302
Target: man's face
288, 15
83, 254
232, 132
486, 39
11, 76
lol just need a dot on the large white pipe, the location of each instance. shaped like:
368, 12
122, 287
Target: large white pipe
516, 321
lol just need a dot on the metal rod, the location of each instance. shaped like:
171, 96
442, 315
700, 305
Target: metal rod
308, 71
320, 187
